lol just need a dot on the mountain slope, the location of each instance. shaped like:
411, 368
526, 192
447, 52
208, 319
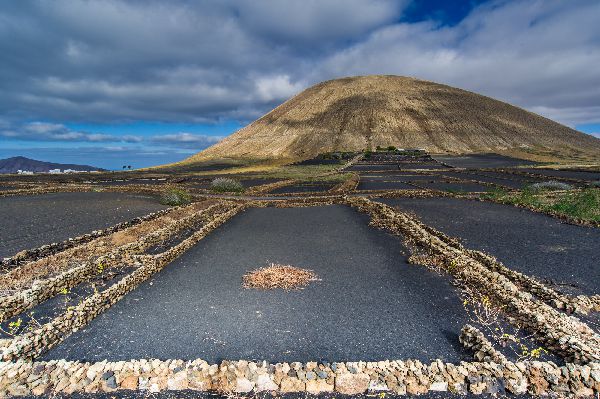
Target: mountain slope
363, 112
12, 165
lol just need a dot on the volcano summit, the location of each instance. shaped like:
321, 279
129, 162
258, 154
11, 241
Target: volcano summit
357, 113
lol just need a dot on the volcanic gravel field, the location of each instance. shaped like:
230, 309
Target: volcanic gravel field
475, 161
529, 242
569, 174
368, 297
32, 221
453, 186
385, 185
302, 188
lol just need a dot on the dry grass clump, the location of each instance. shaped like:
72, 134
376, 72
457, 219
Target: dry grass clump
276, 276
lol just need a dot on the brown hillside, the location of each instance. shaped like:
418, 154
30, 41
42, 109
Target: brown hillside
363, 112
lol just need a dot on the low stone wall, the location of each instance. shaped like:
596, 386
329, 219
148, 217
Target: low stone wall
565, 335
265, 188
483, 350
42, 290
397, 376
30, 344
29, 255
347, 185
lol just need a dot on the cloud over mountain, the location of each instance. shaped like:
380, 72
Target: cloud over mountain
207, 61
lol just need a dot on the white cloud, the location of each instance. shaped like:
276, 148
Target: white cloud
276, 87
44, 131
541, 55
186, 140
206, 60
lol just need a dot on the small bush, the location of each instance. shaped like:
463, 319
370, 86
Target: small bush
584, 204
226, 185
550, 186
595, 184
174, 197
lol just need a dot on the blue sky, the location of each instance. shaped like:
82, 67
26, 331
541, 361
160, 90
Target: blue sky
171, 78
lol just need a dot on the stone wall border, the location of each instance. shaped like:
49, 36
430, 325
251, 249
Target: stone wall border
399, 377
34, 254
30, 344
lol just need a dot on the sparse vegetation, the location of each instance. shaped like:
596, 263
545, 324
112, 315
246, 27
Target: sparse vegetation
226, 185
175, 197
305, 173
550, 186
488, 316
581, 204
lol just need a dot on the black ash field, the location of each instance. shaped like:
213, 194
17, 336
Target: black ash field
408, 249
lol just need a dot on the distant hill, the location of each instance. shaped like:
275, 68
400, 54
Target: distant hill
364, 112
12, 165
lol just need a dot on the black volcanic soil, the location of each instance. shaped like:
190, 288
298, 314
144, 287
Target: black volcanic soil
474, 161
32, 221
569, 174
454, 186
529, 242
370, 304
385, 185
302, 188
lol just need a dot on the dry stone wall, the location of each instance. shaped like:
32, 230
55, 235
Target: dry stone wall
400, 377
42, 290
51, 249
30, 344
565, 335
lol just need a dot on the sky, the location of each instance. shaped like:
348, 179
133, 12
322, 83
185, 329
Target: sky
130, 82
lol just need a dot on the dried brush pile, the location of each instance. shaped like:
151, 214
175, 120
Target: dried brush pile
278, 276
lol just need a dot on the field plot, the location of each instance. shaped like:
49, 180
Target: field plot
565, 174
385, 185
565, 255
418, 165
252, 182
475, 161
453, 186
32, 221
125, 182
506, 183
358, 167
303, 188
504, 179
369, 303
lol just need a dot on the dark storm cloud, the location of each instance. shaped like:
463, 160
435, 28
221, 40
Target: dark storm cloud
203, 61
194, 61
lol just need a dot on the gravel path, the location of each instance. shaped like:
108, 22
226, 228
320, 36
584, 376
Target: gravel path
32, 221
369, 305
526, 241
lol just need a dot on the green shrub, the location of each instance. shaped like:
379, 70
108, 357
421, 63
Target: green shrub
226, 185
584, 204
595, 184
174, 197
